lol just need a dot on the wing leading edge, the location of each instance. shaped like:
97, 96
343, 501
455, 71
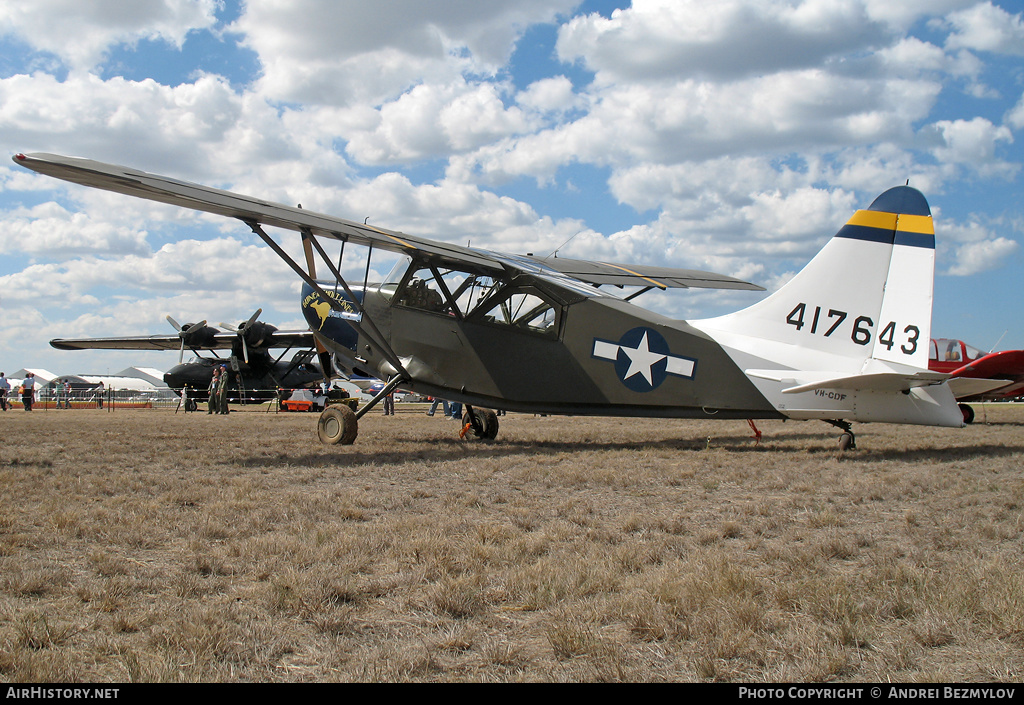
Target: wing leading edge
132, 182
220, 341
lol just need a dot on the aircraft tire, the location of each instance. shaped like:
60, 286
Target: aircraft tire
968, 413
488, 424
846, 441
337, 425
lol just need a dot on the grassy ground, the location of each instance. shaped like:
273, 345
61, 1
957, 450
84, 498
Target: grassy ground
153, 546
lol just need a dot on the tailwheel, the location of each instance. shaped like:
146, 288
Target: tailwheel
968, 413
337, 424
482, 422
847, 441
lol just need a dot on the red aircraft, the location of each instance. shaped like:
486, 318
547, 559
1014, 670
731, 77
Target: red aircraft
974, 374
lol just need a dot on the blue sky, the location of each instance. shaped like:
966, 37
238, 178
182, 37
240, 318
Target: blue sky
735, 136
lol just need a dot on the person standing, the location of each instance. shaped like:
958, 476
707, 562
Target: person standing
212, 397
222, 391
389, 404
457, 411
28, 390
5, 389
433, 407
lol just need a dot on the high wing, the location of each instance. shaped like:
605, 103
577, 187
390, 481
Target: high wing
255, 211
219, 341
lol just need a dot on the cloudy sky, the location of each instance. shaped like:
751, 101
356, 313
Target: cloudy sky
735, 136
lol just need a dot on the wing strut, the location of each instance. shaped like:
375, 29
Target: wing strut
637, 293
373, 333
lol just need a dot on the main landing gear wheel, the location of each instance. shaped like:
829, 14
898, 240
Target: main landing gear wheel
968, 413
482, 422
337, 424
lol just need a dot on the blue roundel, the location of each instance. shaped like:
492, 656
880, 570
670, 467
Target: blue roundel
642, 360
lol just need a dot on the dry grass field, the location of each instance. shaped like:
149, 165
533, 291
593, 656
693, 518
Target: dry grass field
144, 546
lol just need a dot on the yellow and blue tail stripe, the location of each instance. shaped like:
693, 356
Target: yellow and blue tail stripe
900, 216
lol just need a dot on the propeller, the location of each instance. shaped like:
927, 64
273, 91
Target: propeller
184, 332
242, 329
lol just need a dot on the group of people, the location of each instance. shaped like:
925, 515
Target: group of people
218, 391
27, 390
62, 394
452, 409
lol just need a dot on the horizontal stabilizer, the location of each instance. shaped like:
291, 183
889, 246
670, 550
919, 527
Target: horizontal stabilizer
874, 382
972, 386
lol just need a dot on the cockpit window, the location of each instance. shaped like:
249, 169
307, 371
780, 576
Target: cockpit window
474, 296
422, 291
972, 352
394, 278
524, 310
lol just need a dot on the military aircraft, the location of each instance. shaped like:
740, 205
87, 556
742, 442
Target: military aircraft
845, 340
257, 374
971, 370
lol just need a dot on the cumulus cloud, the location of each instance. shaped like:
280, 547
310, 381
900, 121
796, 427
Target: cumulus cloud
742, 134
671, 39
81, 33
340, 52
1015, 117
436, 121
976, 257
52, 231
970, 143
985, 27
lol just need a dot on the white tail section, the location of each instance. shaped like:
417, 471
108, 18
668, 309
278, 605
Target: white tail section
867, 294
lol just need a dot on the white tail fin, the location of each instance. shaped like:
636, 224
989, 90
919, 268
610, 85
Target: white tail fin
867, 294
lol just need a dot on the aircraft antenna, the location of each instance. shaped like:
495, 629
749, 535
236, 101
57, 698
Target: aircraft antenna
555, 253
999, 341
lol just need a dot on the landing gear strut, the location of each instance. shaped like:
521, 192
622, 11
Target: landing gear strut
847, 441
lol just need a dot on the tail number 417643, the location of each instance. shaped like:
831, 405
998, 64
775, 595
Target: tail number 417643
862, 331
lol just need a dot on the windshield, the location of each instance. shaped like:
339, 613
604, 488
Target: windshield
394, 277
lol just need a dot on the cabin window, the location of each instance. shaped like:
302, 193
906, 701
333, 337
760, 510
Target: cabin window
423, 291
454, 292
523, 309
477, 296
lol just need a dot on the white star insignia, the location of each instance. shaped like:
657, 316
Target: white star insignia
642, 359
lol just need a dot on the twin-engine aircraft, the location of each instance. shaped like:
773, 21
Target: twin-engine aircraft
845, 340
255, 374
